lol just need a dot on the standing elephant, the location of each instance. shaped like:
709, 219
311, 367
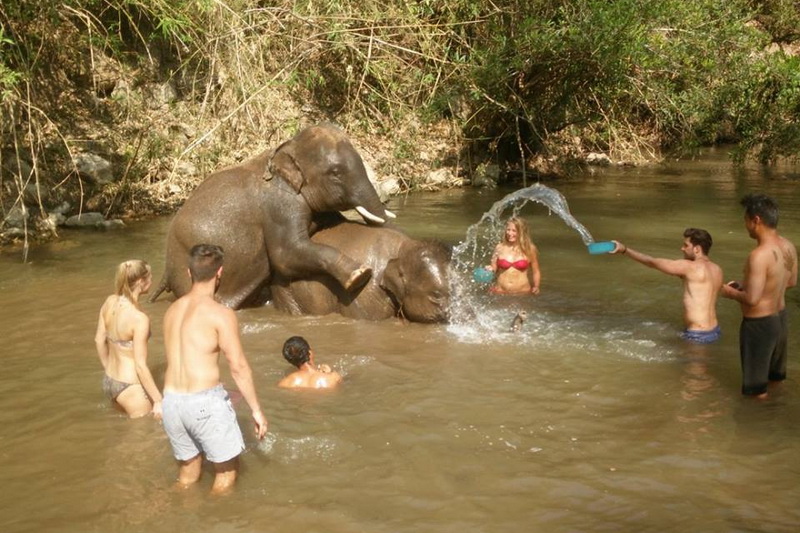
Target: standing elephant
261, 212
410, 277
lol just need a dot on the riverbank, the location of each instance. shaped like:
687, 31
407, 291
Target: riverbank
120, 108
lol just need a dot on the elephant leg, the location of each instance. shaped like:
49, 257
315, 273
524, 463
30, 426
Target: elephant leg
247, 287
307, 258
237, 300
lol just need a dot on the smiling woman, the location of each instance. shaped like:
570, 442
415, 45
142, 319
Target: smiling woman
515, 261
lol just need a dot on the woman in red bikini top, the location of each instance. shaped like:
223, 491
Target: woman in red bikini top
515, 261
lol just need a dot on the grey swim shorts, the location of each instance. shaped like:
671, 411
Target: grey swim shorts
202, 422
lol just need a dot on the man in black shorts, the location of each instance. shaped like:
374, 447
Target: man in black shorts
771, 268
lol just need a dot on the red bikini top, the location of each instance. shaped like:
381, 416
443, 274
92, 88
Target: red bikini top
519, 264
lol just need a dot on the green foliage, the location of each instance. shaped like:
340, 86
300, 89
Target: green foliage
629, 77
767, 111
780, 18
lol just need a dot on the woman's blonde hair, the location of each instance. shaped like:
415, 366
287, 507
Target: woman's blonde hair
128, 273
523, 237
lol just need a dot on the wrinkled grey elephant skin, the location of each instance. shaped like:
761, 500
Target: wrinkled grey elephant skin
410, 278
261, 213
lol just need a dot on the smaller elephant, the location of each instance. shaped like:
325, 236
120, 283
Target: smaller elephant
410, 277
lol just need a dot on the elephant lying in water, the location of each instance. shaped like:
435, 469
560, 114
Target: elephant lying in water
410, 277
261, 212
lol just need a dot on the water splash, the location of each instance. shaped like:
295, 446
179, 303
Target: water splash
480, 238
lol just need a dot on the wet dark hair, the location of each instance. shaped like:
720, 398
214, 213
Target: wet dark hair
762, 206
204, 261
699, 237
296, 350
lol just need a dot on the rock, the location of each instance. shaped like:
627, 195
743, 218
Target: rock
486, 176
62, 209
105, 73
16, 216
84, 220
182, 131
114, 223
33, 194
51, 223
388, 187
56, 219
597, 159
440, 176
13, 233
17, 166
160, 94
94, 168
185, 169
121, 92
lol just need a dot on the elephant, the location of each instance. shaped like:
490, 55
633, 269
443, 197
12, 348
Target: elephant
261, 212
410, 277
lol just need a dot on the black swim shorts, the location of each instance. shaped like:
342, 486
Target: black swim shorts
763, 349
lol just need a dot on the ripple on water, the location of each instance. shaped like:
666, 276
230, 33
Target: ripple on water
545, 330
288, 450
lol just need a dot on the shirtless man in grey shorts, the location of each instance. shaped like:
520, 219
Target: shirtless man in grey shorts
197, 412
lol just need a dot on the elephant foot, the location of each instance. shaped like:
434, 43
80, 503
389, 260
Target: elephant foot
358, 279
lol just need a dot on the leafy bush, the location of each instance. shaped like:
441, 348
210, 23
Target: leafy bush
520, 78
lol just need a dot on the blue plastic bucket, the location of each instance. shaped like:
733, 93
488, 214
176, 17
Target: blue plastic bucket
601, 247
482, 275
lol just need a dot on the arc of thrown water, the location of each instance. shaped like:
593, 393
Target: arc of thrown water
465, 253
551, 198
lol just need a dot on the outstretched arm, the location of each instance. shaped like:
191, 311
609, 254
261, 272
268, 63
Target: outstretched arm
231, 345
673, 267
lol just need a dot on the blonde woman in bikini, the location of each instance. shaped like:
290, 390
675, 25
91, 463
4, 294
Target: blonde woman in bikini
515, 261
123, 330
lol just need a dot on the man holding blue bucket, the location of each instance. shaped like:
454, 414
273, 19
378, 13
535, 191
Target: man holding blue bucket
702, 280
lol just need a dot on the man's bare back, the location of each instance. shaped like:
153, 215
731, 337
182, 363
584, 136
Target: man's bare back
198, 415
321, 377
308, 375
192, 337
702, 282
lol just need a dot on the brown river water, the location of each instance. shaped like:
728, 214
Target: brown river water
594, 417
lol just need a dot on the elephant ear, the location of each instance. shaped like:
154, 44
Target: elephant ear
393, 280
284, 164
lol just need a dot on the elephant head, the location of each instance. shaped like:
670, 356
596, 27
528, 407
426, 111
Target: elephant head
410, 277
417, 280
321, 164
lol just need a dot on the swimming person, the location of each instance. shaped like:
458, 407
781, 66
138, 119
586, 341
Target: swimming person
771, 268
702, 281
123, 330
515, 261
198, 415
308, 375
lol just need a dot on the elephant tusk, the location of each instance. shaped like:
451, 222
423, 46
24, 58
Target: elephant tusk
369, 216
389, 214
